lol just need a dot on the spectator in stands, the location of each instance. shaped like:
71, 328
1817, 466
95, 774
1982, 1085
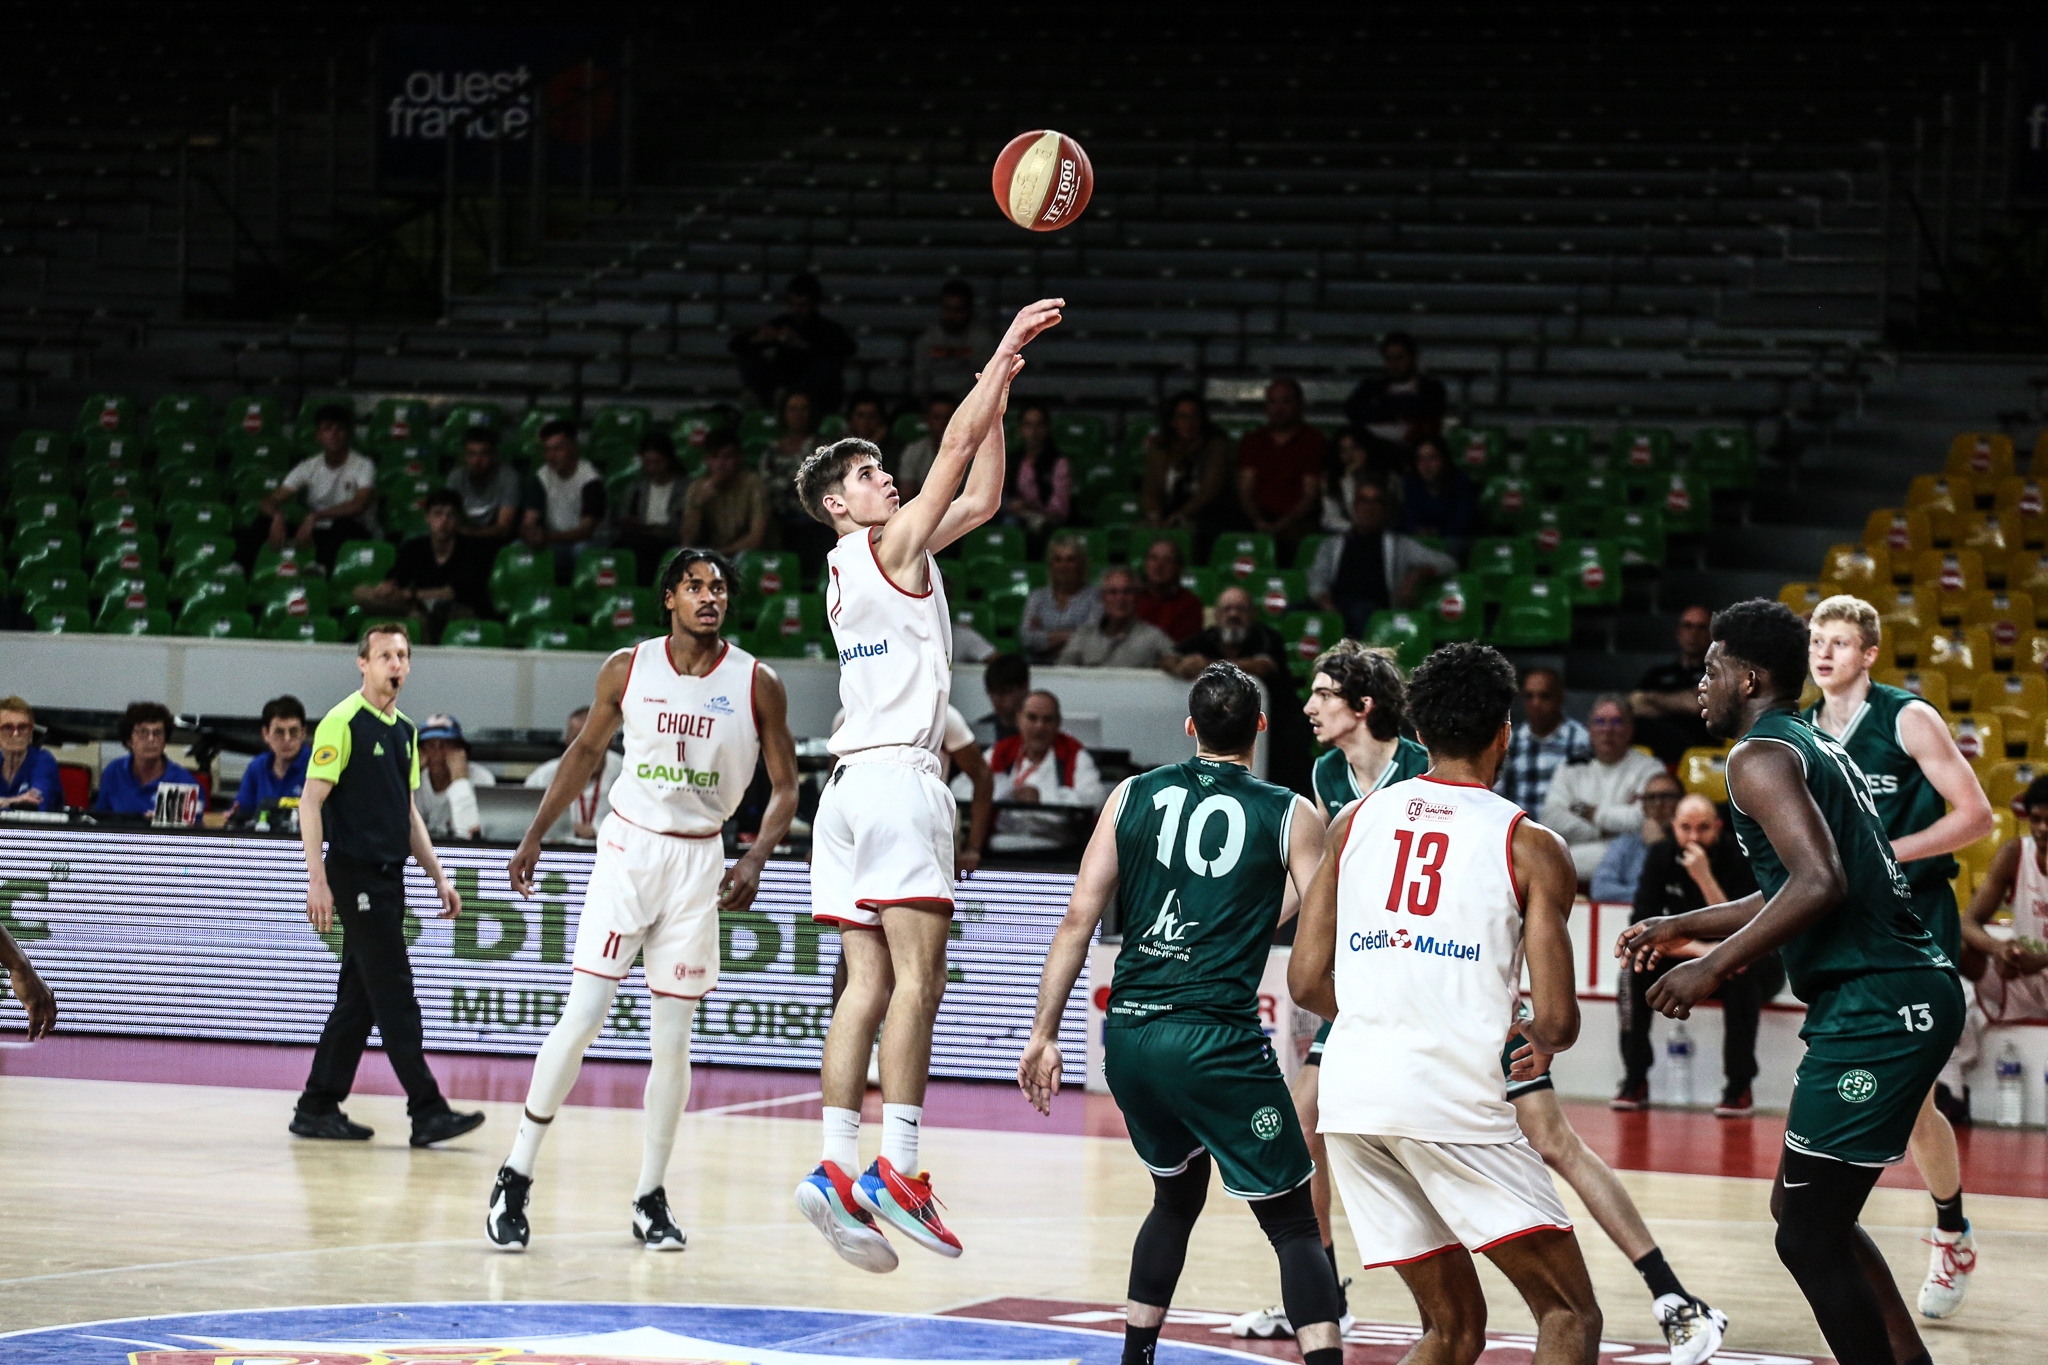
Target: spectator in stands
1396, 408
1666, 701
947, 354
489, 491
28, 772
914, 461
594, 802
1591, 804
1371, 568
1067, 602
1545, 740
1041, 492
727, 507
868, 418
1437, 499
438, 576
129, 784
1280, 467
2010, 969
1347, 464
650, 514
448, 780
797, 349
278, 774
1119, 637
1190, 473
572, 497
1007, 680
1621, 871
1693, 869
339, 486
1242, 636
1042, 765
780, 459
1164, 600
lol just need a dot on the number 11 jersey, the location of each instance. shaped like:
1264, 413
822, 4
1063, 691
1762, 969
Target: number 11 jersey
1428, 966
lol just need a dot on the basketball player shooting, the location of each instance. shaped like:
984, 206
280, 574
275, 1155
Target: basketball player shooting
882, 844
698, 714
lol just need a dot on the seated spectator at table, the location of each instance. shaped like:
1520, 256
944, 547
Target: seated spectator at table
1346, 465
914, 461
1242, 636
1396, 408
572, 497
1041, 765
446, 796
1371, 567
594, 802
1190, 473
868, 418
1666, 701
339, 486
1163, 599
948, 354
1694, 868
2010, 969
1118, 638
489, 491
797, 349
1280, 468
650, 512
1007, 680
278, 773
1436, 497
1066, 603
1546, 740
437, 577
29, 778
726, 507
1621, 871
1040, 494
128, 785
1591, 804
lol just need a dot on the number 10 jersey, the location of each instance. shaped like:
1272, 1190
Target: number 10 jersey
1428, 966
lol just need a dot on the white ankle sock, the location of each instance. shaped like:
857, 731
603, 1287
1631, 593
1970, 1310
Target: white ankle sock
900, 1123
526, 1145
842, 1139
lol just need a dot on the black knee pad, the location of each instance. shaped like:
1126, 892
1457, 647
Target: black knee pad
1162, 1246
1288, 1216
1818, 1204
1308, 1282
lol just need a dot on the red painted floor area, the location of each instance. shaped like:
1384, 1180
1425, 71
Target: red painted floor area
1995, 1160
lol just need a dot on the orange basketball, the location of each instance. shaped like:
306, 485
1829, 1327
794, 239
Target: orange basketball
1042, 180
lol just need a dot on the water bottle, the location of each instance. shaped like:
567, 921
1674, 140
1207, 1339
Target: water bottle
2012, 1088
1678, 1053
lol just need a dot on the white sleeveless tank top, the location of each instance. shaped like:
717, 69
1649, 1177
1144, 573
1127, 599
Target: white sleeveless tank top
2030, 896
691, 743
1428, 966
895, 656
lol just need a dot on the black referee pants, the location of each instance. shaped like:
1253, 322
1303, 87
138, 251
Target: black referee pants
375, 989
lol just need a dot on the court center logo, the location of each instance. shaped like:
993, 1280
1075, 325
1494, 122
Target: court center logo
1266, 1123
1856, 1086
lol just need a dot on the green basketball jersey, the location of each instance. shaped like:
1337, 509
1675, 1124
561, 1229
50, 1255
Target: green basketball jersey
1201, 851
1337, 786
1906, 801
1873, 929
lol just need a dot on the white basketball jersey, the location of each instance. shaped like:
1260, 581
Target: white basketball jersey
691, 743
895, 652
2030, 896
1428, 966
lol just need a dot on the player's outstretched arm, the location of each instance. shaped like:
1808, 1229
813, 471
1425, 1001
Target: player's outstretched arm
1311, 967
982, 496
1991, 893
1548, 884
1928, 742
778, 752
981, 808
1038, 1070
583, 761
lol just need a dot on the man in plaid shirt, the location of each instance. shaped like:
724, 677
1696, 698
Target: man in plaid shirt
1545, 738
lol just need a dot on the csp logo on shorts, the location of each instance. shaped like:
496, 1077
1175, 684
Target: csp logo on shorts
1266, 1123
325, 755
1856, 1086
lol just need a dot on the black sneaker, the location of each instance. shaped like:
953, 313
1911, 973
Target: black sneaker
506, 1225
442, 1126
654, 1226
334, 1127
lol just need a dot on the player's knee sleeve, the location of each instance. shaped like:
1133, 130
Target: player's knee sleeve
1819, 1203
1308, 1283
1162, 1245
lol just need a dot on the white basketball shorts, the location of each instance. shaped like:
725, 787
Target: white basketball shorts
657, 894
1408, 1200
883, 836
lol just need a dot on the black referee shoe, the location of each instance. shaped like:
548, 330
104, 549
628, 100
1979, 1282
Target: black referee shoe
443, 1126
334, 1127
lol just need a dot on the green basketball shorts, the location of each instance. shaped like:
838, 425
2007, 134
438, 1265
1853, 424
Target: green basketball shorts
1874, 1045
1189, 1085
1315, 1049
1935, 907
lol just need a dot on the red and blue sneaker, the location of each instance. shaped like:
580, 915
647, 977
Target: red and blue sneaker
826, 1197
907, 1205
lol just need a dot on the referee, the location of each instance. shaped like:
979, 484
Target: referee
359, 797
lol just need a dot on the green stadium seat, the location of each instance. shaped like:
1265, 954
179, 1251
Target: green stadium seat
1588, 496
133, 621
52, 585
625, 614
199, 516
1455, 609
1505, 499
286, 563
62, 618
1136, 431
124, 513
1687, 503
179, 413
1637, 531
831, 427
1642, 450
762, 574
359, 563
1724, 457
123, 551
1242, 553
618, 429
1547, 527
187, 483
252, 415
600, 570
39, 447
985, 620
290, 597
473, 634
1590, 571
212, 621
789, 616
464, 416
1082, 435
1406, 633
1306, 549
1555, 452
56, 510
1496, 559
186, 450
517, 567
143, 588
252, 450
112, 448
304, 435
223, 590
552, 635
123, 482
526, 436
29, 481
1111, 509
414, 458
1003, 544
995, 580
1307, 634
1094, 539
397, 422
1534, 613
106, 412
529, 603
760, 424
1099, 480
310, 629
1203, 583
1275, 593
1480, 451
908, 426
1139, 540
49, 546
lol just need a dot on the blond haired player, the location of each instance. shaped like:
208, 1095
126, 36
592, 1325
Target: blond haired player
698, 715
1931, 805
882, 844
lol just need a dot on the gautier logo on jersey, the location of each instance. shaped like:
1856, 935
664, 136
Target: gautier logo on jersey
1428, 944
677, 776
1419, 809
860, 651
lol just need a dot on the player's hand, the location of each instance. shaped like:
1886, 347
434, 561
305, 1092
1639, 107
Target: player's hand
966, 863
1528, 1062
1684, 986
451, 899
320, 907
1641, 945
35, 997
1038, 1073
520, 870
742, 883
1031, 319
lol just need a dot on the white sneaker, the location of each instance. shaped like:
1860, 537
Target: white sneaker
1949, 1267
1692, 1330
1265, 1324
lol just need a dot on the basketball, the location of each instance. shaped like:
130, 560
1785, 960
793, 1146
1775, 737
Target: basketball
1042, 180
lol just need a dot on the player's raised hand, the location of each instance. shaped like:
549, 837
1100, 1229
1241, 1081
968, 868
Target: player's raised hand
1038, 1073
1031, 319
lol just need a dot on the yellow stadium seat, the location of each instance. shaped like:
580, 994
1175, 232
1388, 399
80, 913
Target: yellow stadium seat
1934, 493
2027, 571
1903, 611
1950, 576
1903, 532
2031, 651
2024, 504
1801, 597
2006, 780
1962, 884
1983, 532
1705, 773
2040, 460
2018, 697
1980, 737
2007, 615
1809, 693
1977, 857
1962, 652
1930, 686
2036, 737
1980, 455
1855, 568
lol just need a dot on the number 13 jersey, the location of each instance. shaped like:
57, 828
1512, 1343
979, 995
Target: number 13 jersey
1428, 966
